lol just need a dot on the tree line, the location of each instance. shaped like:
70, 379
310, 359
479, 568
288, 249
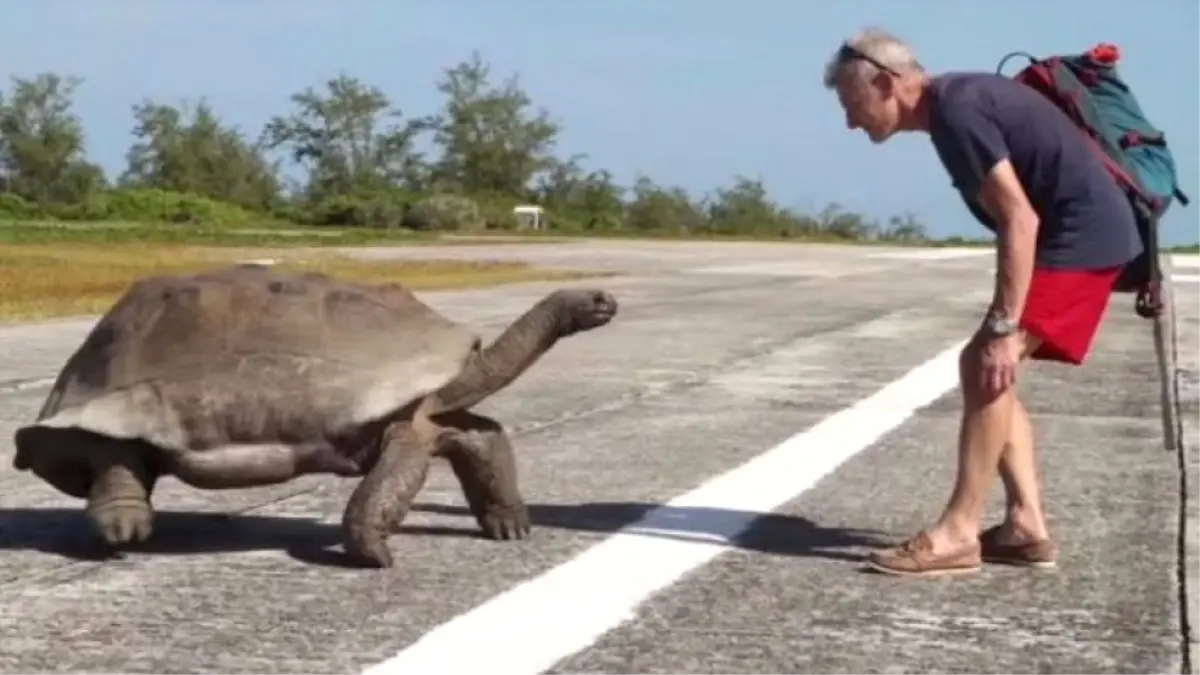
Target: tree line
361, 166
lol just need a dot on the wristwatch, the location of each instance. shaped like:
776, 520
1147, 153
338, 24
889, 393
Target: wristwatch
999, 323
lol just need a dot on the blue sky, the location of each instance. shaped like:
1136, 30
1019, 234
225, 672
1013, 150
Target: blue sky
689, 92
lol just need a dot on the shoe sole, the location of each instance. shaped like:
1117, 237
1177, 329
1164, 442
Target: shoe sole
1017, 562
939, 572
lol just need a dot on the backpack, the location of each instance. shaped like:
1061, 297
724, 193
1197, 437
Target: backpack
1088, 89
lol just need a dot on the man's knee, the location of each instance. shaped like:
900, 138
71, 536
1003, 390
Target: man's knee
968, 358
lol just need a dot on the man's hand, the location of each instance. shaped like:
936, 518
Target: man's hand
998, 359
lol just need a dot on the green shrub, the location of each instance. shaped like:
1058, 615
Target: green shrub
166, 206
445, 213
384, 210
129, 204
13, 207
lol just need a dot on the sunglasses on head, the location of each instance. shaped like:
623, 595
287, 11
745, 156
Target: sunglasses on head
848, 53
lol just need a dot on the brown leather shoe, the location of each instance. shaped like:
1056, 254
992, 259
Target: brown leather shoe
1040, 554
915, 558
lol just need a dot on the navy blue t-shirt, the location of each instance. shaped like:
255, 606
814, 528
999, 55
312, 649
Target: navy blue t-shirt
978, 119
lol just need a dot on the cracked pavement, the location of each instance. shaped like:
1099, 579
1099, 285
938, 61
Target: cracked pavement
720, 353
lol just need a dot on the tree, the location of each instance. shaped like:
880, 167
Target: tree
187, 149
844, 225
655, 208
345, 140
745, 208
490, 140
591, 199
905, 228
494, 149
42, 155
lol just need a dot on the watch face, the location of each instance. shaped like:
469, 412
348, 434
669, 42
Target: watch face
1001, 325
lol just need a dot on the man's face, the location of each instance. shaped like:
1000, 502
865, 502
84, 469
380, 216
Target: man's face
869, 105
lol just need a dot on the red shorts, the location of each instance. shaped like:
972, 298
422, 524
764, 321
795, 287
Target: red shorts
1064, 308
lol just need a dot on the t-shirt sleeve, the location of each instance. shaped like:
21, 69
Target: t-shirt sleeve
970, 144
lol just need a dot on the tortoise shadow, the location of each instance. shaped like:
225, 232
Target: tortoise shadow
65, 531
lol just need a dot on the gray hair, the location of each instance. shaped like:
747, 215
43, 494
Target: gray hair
864, 53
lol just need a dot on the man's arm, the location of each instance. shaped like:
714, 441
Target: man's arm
1002, 196
976, 155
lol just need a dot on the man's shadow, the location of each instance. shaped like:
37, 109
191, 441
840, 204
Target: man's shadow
772, 533
65, 531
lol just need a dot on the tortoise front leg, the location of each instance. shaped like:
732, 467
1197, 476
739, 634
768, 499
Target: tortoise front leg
118, 501
481, 456
382, 499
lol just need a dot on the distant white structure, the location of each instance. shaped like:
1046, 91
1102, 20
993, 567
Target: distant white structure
529, 216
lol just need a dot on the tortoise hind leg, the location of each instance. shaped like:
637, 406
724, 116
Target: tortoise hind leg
118, 502
481, 457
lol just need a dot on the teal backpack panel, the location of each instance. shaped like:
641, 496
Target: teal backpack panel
1090, 91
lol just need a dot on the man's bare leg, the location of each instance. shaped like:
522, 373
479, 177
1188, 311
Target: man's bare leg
983, 434
952, 544
995, 437
1022, 538
1024, 519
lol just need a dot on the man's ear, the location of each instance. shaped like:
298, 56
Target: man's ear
885, 83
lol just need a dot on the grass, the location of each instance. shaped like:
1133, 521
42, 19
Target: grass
55, 232
39, 281
275, 234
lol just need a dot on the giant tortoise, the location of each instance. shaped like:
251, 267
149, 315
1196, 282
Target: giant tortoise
243, 376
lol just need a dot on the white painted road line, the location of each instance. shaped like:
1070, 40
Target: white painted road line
805, 269
24, 385
534, 625
1186, 278
1185, 260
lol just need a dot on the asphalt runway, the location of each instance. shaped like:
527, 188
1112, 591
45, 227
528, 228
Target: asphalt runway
705, 475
